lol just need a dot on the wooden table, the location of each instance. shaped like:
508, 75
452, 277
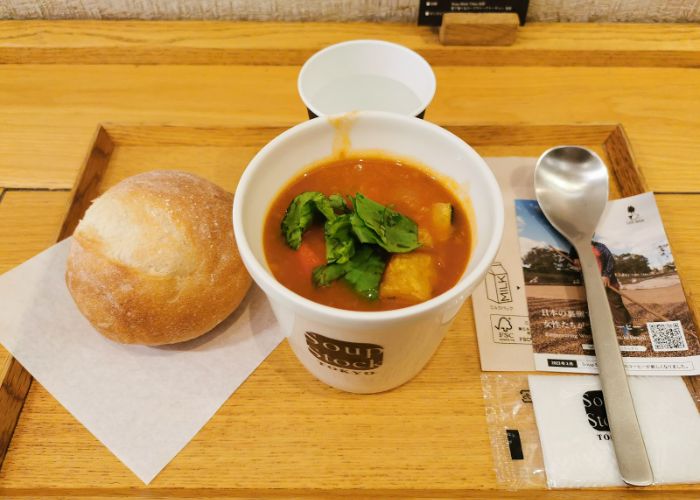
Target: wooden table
283, 433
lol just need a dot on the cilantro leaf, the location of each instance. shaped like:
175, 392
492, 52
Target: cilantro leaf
340, 243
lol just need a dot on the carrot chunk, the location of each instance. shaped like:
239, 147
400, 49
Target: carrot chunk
308, 259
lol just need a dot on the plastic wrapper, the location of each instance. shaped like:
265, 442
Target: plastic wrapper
515, 441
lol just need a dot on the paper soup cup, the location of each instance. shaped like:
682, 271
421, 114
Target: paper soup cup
366, 352
366, 75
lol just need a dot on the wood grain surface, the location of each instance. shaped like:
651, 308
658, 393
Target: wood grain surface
619, 151
29, 223
48, 113
13, 392
14, 379
479, 29
283, 433
16, 242
209, 42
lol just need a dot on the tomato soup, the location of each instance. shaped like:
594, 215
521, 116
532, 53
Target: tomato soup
400, 236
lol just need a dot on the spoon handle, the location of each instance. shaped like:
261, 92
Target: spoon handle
631, 453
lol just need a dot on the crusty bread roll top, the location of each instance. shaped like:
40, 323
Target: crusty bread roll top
154, 260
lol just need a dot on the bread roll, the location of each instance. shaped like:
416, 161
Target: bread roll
154, 260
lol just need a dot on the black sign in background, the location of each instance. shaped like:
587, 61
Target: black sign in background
430, 11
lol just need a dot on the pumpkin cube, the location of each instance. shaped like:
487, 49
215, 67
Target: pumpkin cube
408, 276
425, 238
442, 220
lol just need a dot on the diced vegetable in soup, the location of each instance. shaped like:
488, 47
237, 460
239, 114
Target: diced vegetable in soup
409, 276
367, 234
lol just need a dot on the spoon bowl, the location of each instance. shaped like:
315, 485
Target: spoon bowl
571, 184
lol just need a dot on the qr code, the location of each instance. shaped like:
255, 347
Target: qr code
667, 336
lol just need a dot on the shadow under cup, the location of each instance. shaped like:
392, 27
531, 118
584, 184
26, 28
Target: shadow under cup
366, 75
367, 352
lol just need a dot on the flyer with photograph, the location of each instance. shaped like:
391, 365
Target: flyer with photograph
653, 322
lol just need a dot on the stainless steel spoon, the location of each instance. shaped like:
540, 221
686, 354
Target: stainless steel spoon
571, 184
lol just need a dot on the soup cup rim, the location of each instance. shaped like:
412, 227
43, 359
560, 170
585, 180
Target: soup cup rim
271, 286
365, 41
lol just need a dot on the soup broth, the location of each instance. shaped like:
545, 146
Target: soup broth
409, 278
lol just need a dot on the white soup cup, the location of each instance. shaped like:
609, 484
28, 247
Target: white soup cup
367, 352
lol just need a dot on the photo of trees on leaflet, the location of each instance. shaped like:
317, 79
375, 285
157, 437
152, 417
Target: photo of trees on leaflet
642, 284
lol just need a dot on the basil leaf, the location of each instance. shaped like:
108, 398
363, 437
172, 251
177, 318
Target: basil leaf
327, 273
394, 232
301, 210
340, 242
363, 233
364, 271
324, 206
298, 217
401, 232
338, 202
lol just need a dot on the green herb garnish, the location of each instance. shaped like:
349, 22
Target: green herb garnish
394, 232
340, 243
356, 240
338, 202
363, 272
327, 273
301, 211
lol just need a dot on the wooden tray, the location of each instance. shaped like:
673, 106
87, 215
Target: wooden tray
427, 437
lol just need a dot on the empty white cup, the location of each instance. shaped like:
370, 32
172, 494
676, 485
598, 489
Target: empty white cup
360, 351
366, 75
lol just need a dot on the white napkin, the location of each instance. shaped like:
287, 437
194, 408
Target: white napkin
143, 403
577, 455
